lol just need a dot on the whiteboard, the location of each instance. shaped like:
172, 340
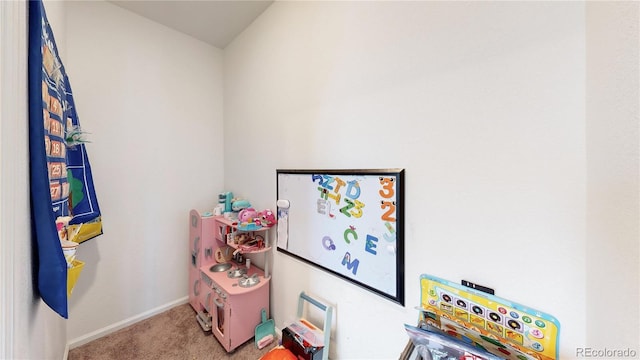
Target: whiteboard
347, 222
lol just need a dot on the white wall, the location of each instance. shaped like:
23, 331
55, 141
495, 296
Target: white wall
484, 106
151, 99
613, 232
30, 329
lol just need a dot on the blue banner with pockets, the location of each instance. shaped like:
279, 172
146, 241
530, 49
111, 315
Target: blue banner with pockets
61, 182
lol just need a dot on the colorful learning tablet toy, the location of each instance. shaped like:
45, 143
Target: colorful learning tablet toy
501, 327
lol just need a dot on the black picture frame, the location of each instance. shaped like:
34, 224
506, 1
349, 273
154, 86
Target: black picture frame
348, 222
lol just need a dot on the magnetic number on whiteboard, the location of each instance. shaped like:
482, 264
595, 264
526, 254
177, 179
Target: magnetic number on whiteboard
387, 191
390, 207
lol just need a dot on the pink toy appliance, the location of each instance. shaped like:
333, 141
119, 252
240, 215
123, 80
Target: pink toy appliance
228, 297
235, 299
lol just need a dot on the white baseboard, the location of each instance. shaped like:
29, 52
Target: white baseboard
74, 343
66, 352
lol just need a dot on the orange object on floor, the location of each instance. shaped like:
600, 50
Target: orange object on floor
279, 353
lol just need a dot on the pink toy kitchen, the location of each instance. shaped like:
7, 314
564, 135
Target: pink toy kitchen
229, 294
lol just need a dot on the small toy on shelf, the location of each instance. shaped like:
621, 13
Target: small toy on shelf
248, 220
241, 238
267, 218
247, 215
225, 198
238, 204
254, 244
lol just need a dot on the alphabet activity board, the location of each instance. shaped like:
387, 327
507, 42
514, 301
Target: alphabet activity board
347, 222
506, 329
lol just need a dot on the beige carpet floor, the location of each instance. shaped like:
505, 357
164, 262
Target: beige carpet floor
173, 334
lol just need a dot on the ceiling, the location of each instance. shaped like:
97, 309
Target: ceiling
216, 22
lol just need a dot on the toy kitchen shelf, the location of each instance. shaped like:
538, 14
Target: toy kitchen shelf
231, 233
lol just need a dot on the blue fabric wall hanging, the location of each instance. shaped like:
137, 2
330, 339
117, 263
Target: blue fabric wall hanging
60, 174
